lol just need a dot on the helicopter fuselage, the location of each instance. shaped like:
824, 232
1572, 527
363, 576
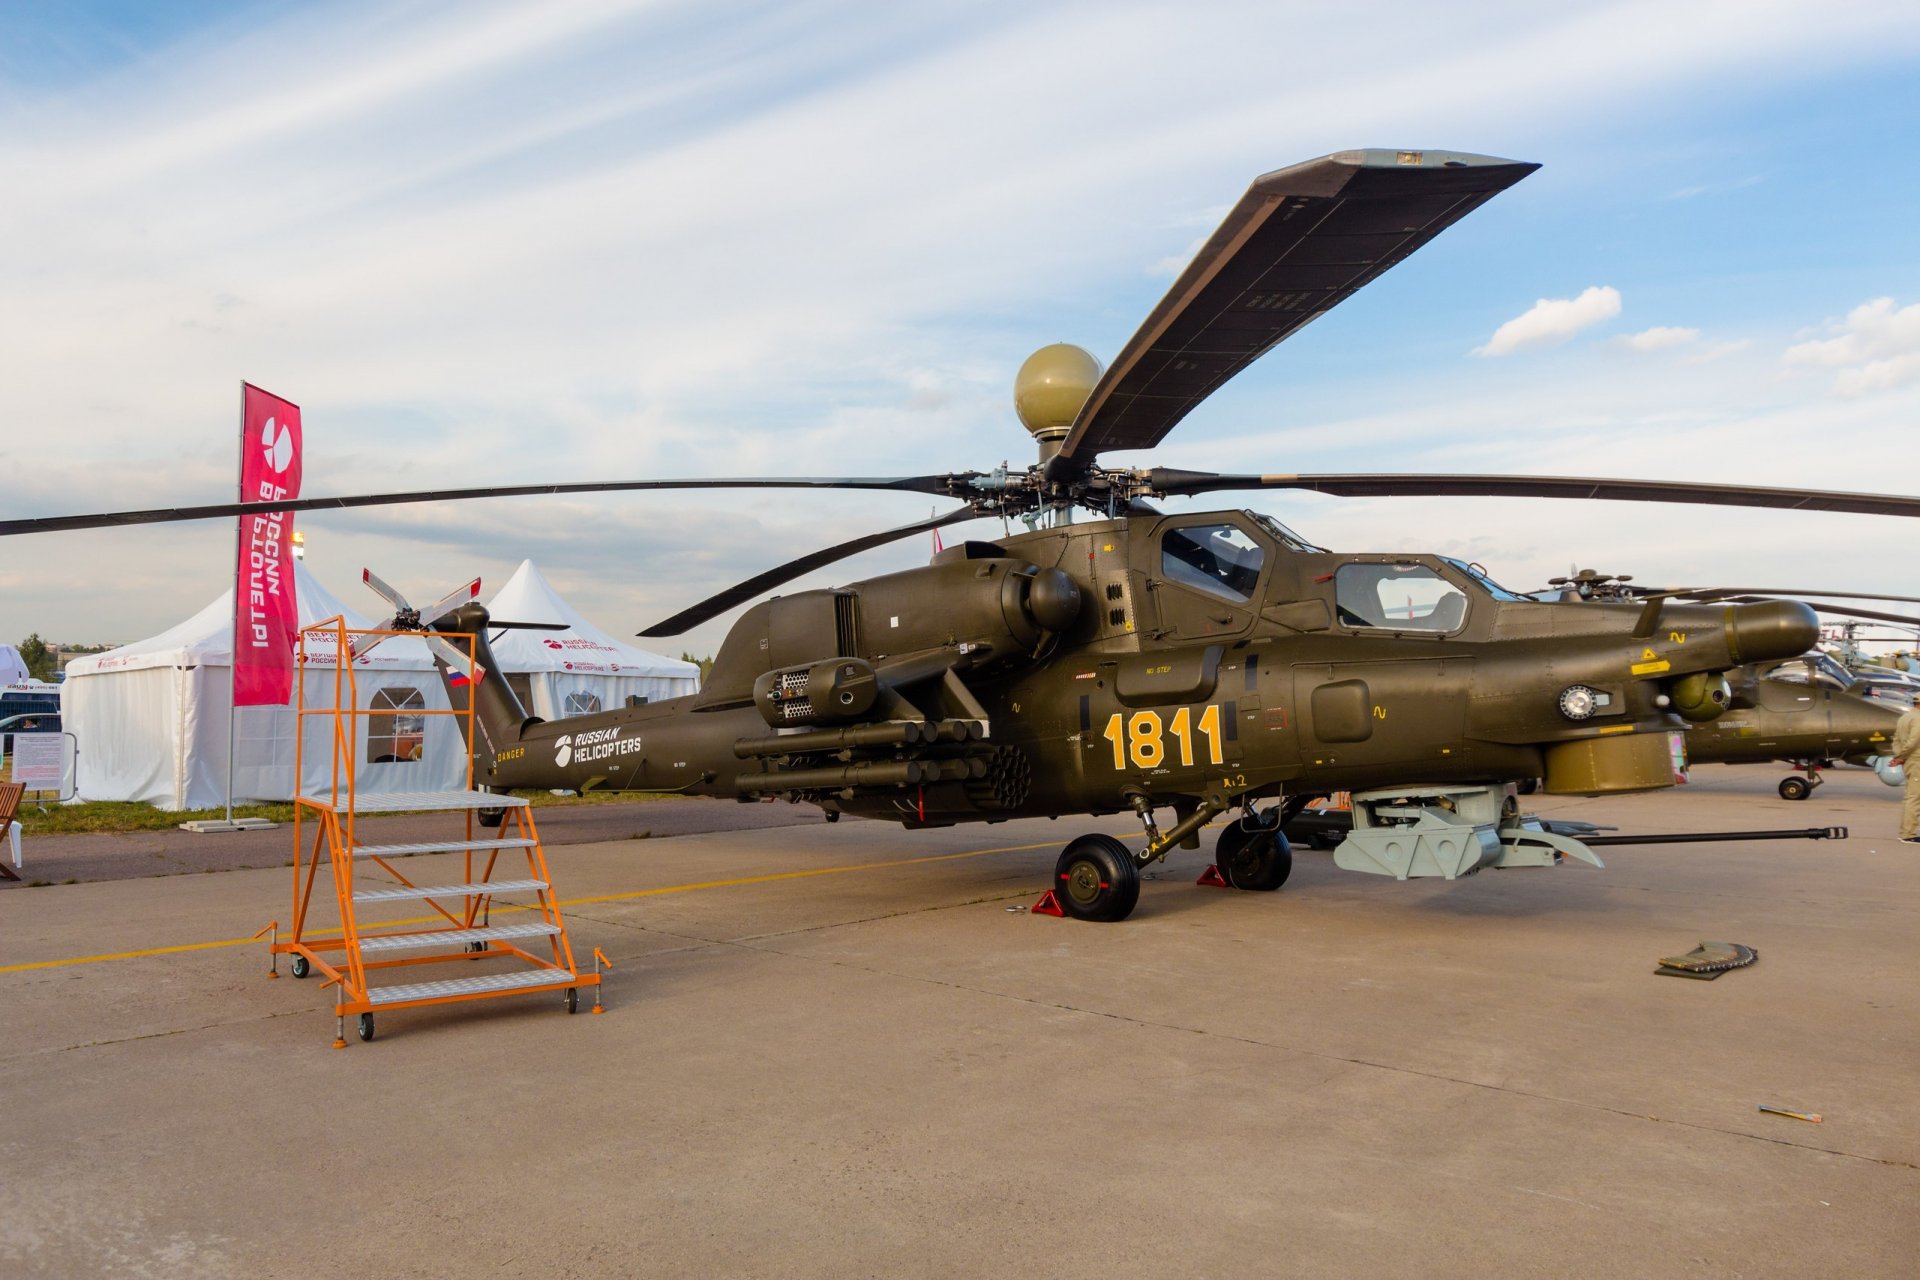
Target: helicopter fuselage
1156, 659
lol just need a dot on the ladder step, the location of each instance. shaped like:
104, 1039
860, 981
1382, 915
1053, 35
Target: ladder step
442, 937
418, 802
438, 846
555, 978
485, 888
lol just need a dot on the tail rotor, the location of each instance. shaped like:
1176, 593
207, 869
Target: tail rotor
461, 668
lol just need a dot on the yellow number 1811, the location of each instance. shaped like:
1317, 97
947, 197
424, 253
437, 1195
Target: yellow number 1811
1143, 737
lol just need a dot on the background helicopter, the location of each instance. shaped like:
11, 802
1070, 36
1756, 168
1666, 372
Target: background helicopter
1145, 660
1807, 711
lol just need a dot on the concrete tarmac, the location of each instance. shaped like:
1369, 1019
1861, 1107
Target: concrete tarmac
848, 1050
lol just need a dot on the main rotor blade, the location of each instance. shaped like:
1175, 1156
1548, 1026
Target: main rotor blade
715, 605
938, 485
1172, 482
1299, 243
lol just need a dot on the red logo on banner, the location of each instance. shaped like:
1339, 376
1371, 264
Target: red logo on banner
265, 609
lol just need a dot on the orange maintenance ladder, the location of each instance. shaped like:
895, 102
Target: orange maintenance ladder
462, 929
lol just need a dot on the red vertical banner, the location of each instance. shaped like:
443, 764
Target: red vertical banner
266, 613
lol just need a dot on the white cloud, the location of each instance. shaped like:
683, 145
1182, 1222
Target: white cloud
1877, 348
1717, 350
1554, 320
1173, 264
1659, 338
1684, 342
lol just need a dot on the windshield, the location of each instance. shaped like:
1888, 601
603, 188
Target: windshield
1285, 536
1475, 573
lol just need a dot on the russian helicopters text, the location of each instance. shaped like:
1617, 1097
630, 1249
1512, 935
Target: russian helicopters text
1142, 661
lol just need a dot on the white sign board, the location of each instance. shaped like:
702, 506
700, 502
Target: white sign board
40, 760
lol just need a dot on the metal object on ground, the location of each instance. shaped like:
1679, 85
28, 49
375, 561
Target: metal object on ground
1708, 960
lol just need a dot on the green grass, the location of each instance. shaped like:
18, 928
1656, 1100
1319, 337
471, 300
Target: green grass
115, 815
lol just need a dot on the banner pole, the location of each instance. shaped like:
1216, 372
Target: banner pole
239, 551
276, 578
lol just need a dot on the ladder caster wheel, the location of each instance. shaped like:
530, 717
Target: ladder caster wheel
366, 1026
573, 999
300, 967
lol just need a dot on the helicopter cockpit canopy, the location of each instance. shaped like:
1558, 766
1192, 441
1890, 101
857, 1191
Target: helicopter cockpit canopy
1477, 575
1829, 672
1405, 596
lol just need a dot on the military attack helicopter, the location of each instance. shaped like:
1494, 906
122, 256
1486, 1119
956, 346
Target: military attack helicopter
1141, 660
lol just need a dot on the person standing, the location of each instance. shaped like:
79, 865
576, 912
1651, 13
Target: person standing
1906, 739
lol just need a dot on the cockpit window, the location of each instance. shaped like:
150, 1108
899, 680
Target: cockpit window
1402, 597
1216, 558
1477, 574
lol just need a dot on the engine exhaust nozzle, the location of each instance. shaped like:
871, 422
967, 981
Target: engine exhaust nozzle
1771, 629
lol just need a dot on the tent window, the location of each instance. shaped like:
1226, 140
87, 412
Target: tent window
580, 704
396, 730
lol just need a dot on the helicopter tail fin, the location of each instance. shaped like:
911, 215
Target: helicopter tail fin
472, 676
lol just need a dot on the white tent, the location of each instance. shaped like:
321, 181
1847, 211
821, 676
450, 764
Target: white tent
578, 670
13, 668
150, 719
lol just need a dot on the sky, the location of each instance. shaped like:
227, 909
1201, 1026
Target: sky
486, 243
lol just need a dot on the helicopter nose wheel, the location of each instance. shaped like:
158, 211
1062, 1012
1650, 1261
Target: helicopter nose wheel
1796, 787
1255, 858
1096, 878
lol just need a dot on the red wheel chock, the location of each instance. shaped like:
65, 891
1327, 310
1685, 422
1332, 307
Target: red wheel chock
1049, 905
1212, 878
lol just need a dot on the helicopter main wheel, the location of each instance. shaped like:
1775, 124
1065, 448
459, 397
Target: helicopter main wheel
1255, 858
1527, 786
1096, 879
492, 817
1795, 788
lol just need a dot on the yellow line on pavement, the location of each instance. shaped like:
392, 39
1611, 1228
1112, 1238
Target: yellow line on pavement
569, 902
